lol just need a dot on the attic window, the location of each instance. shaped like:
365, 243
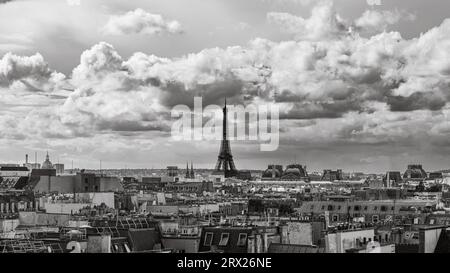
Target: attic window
224, 239
242, 239
208, 239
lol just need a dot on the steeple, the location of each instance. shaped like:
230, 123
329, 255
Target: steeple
192, 175
187, 170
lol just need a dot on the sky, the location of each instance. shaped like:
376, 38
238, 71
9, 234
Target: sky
362, 85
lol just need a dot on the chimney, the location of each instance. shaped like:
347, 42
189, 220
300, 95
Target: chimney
26, 159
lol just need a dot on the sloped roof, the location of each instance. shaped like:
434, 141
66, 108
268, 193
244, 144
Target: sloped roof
10, 168
288, 248
15, 182
144, 239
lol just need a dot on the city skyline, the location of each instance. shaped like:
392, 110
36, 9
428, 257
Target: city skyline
360, 87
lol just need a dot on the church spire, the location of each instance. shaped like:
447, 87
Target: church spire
187, 170
192, 175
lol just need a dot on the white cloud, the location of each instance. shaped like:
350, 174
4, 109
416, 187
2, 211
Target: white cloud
375, 20
324, 22
34, 69
141, 22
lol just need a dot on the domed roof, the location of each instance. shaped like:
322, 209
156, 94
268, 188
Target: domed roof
47, 163
295, 171
268, 173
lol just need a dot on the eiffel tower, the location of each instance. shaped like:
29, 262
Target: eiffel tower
225, 162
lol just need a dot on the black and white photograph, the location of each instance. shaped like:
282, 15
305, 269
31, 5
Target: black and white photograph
221, 133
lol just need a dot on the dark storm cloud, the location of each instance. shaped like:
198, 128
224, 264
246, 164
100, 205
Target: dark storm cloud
176, 93
417, 101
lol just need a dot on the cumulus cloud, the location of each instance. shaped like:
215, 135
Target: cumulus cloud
341, 87
324, 22
140, 21
33, 69
375, 20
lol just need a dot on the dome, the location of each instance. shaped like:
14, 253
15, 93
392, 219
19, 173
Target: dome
292, 171
269, 172
47, 163
273, 171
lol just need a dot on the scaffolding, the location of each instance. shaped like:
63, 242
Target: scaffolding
28, 246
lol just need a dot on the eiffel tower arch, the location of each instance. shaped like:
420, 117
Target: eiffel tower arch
225, 161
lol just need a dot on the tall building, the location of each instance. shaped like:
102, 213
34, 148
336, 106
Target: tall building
225, 161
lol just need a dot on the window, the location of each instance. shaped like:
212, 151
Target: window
365, 208
339, 207
431, 221
323, 207
375, 208
356, 208
383, 208
224, 239
208, 239
335, 218
375, 218
242, 241
330, 207
392, 208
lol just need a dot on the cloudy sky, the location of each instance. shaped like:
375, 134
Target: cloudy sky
360, 87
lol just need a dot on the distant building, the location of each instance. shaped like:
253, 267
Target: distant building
13, 171
329, 175
415, 172
45, 180
392, 179
273, 172
59, 168
190, 187
293, 172
435, 176
172, 171
374, 211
